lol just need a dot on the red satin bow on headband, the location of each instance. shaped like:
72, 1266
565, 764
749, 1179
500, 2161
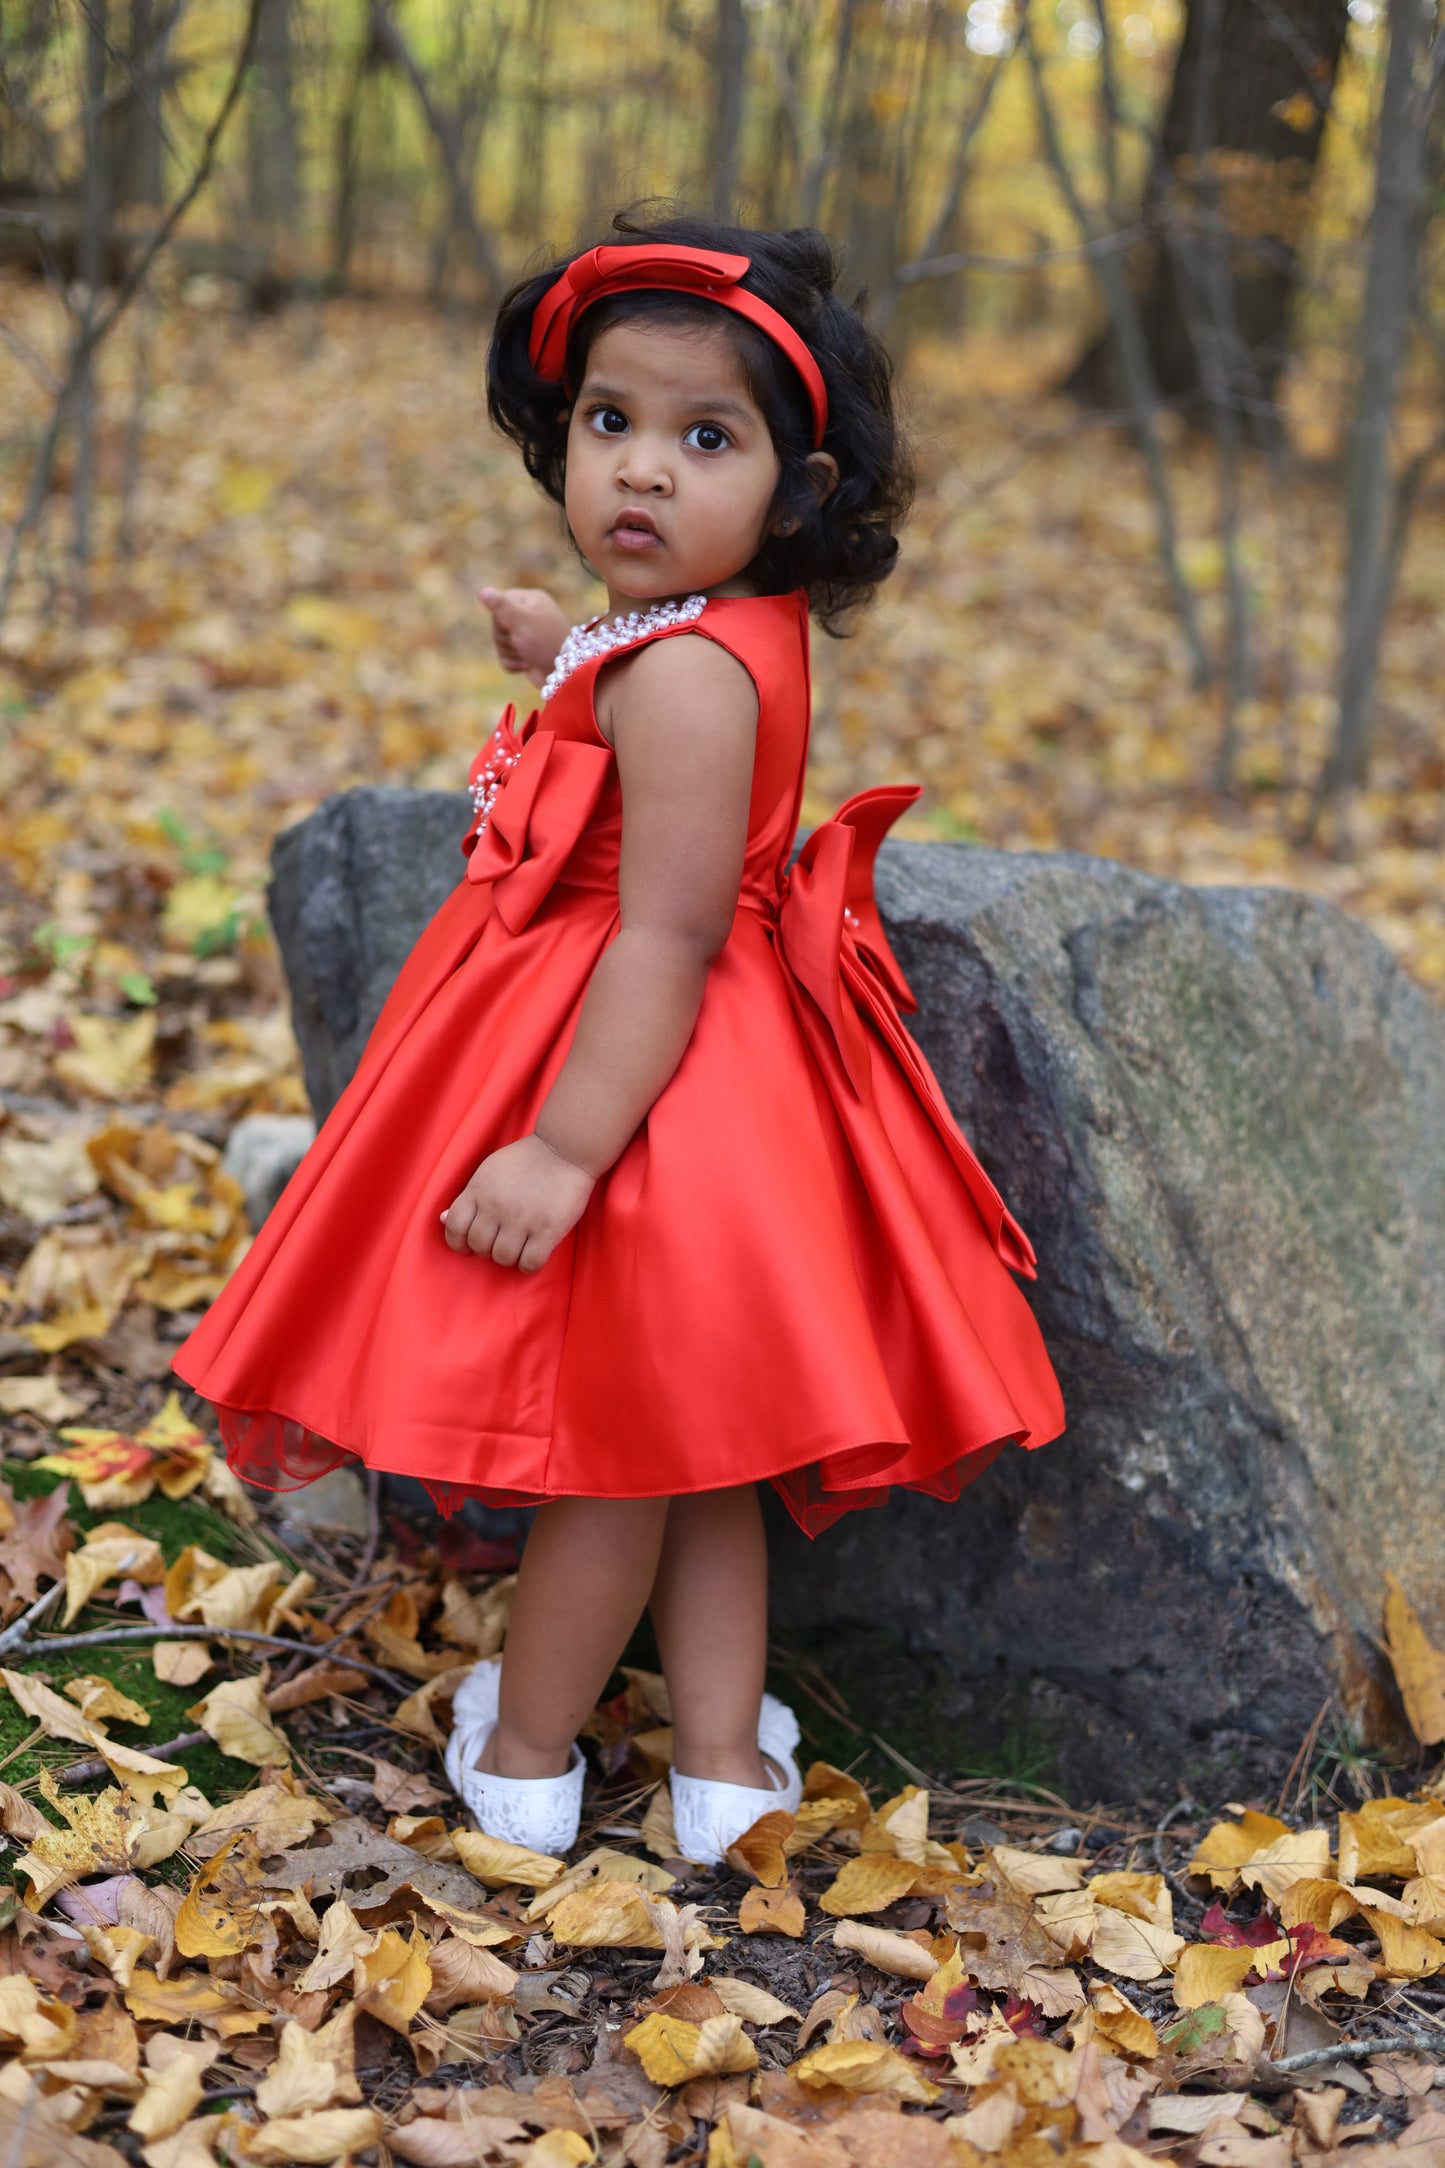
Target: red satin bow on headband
702, 271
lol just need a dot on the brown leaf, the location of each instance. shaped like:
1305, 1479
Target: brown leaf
671, 2051
869, 1883
461, 1973
772, 1912
759, 1850
305, 2139
35, 1548
1418, 1666
898, 1954
402, 1791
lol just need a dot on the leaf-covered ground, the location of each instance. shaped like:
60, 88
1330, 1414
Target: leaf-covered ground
277, 1940
274, 1938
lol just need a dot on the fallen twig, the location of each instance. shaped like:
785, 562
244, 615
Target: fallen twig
115, 1636
1355, 2051
291, 1694
17, 1633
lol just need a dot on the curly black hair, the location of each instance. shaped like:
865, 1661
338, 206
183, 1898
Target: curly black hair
841, 548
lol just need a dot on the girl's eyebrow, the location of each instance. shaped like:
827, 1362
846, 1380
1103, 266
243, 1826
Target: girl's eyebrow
712, 403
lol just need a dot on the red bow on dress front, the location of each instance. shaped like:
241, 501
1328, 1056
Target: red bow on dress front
548, 797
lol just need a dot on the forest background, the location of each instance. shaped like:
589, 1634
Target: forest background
1164, 285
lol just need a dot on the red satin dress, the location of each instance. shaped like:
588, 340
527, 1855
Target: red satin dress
797, 1271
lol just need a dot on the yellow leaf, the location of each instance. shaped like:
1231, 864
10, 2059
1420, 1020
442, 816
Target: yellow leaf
868, 1884
236, 1596
493, 1861
772, 1912
752, 2004
109, 1553
40, 2026
113, 1056
181, 1663
1142, 1896
219, 1914
1134, 1949
599, 1865
605, 1915
234, 1714
117, 1948
1120, 2025
40, 1177
898, 1954
1380, 1839
198, 908
330, 624
44, 1706
393, 1980
1039, 1874
176, 2002
302, 2080
1302, 1856
672, 2052
1229, 1844
864, 2066
100, 1700
305, 2139
173, 2085
1322, 1902
44, 1396
759, 1850
90, 1321
823, 1781
1407, 1953
1207, 1971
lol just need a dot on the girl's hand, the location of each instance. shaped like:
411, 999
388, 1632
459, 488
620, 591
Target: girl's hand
528, 628
518, 1205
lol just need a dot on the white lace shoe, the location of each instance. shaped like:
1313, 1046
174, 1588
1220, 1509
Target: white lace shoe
540, 1812
709, 1816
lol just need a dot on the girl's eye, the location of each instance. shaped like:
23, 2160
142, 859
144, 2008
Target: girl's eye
707, 437
607, 422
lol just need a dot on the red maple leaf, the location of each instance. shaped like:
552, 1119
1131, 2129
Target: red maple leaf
1216, 1926
1024, 2018
1312, 1946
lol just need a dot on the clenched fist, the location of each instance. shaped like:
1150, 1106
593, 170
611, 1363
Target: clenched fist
518, 1205
528, 628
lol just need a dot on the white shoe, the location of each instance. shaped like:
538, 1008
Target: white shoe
709, 1816
541, 1813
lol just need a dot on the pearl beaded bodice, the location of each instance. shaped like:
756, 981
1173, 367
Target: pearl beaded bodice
584, 643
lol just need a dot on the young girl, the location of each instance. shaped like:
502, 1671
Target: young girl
642, 1194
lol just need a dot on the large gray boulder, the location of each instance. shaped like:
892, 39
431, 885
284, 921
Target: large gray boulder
1221, 1115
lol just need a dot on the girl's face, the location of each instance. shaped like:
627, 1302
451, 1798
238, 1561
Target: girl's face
671, 470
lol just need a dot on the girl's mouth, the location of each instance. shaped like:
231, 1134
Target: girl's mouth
635, 531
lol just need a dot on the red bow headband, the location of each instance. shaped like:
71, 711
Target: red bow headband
702, 271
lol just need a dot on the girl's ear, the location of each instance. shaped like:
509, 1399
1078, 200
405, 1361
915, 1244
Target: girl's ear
822, 474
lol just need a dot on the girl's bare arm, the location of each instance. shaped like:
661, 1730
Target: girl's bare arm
683, 716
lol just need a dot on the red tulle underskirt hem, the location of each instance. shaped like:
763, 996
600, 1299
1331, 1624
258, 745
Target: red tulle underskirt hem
276, 1453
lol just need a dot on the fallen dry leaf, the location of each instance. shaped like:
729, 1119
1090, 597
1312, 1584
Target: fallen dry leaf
671, 2051
890, 1952
772, 1912
1418, 1666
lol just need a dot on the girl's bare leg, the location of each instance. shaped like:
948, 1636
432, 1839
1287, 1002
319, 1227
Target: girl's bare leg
709, 1606
582, 1587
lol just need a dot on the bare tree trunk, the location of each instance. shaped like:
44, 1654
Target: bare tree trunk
1134, 365
449, 136
729, 71
1262, 74
271, 114
95, 218
827, 151
1408, 136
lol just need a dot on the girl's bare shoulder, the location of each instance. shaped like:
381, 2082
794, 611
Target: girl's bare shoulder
648, 683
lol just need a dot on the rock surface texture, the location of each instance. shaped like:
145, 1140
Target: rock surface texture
1220, 1113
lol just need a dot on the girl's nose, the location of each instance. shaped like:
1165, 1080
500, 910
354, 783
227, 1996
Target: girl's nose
639, 472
